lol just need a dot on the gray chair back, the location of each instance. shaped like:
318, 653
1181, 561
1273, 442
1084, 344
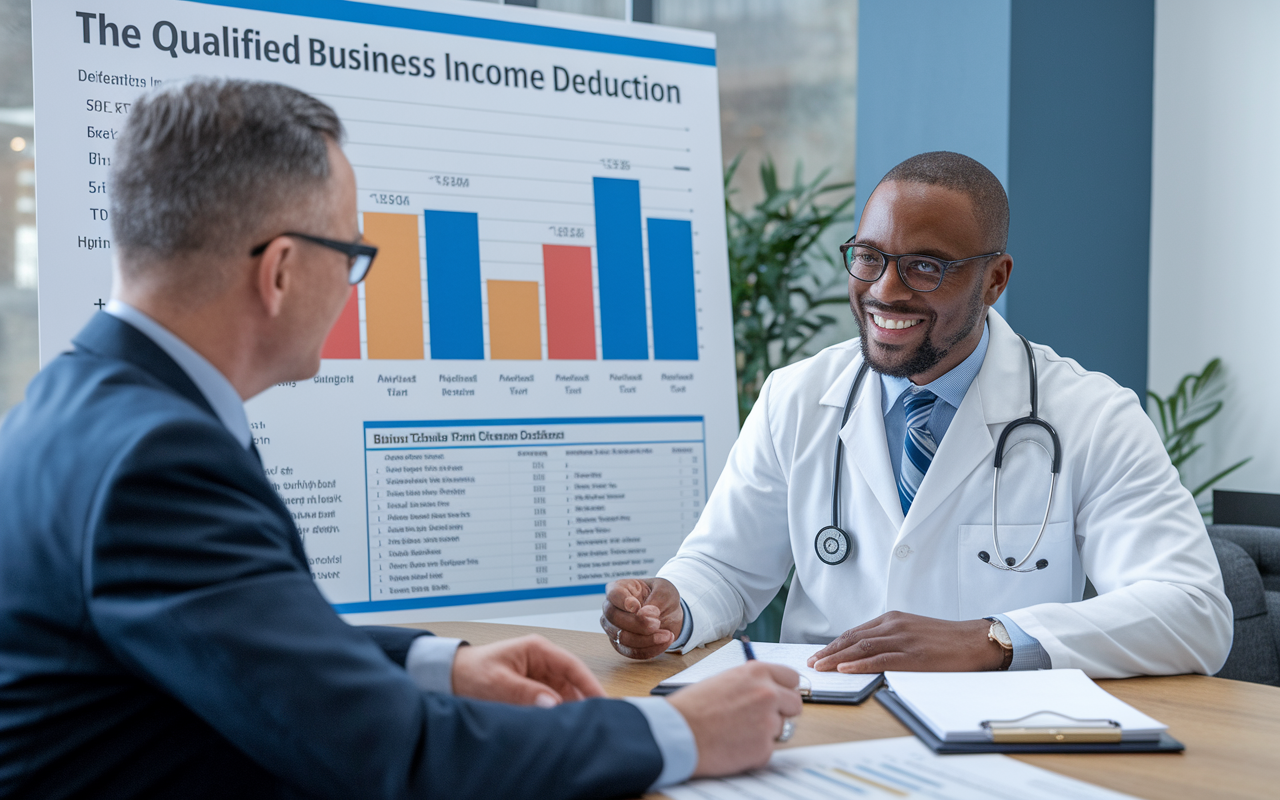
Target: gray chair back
1250, 559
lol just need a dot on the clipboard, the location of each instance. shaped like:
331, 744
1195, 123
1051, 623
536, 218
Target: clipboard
1032, 741
807, 694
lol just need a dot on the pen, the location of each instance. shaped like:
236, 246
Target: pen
746, 648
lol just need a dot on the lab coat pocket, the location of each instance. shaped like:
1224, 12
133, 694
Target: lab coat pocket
985, 590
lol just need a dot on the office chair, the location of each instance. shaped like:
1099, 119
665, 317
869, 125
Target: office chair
1250, 559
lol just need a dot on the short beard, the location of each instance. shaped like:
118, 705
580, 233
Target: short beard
927, 355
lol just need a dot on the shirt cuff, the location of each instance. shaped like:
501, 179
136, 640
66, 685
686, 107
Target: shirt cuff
430, 663
686, 628
1028, 653
674, 738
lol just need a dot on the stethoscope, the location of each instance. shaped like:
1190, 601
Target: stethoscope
834, 545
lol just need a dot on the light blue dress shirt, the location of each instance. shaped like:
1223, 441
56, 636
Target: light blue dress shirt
429, 662
950, 390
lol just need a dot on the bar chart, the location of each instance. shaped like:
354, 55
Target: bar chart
448, 284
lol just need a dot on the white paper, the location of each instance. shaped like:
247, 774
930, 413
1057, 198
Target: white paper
954, 704
795, 656
897, 768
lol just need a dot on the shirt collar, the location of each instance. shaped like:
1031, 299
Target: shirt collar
951, 387
222, 396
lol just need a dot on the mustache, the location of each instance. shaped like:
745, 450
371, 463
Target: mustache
868, 304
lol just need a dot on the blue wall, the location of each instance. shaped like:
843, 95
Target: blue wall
932, 75
1054, 96
1080, 180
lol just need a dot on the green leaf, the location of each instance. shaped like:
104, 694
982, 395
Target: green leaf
779, 274
1204, 486
1194, 402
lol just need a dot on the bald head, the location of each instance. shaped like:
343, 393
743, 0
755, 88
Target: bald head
965, 175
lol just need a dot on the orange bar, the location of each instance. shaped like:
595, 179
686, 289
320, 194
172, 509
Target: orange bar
393, 290
514, 332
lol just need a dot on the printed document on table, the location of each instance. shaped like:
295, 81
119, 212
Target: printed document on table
890, 768
795, 656
954, 704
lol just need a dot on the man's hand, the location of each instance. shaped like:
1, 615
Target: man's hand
737, 716
642, 616
525, 671
911, 643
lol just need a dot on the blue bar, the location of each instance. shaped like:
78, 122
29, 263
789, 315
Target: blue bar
453, 284
620, 251
479, 27
467, 599
671, 293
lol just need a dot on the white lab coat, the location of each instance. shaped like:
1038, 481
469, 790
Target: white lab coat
1119, 515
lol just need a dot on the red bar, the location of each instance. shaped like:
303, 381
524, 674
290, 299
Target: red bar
571, 317
344, 337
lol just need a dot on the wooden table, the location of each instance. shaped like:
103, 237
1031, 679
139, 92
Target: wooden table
1231, 729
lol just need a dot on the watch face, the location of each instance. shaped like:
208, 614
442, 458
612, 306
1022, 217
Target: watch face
1001, 635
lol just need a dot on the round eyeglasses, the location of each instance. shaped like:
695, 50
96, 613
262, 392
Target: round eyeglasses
919, 273
359, 256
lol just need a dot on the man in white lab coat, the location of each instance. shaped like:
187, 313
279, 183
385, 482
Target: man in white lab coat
920, 586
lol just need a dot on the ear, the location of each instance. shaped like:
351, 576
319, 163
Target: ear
276, 274
997, 278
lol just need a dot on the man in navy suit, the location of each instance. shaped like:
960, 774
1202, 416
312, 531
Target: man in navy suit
160, 634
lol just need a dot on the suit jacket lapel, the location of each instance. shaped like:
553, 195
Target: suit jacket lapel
111, 337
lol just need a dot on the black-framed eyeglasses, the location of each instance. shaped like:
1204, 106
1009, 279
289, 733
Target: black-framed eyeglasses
359, 255
920, 273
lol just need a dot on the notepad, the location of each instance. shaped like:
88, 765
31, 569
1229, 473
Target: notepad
823, 687
954, 705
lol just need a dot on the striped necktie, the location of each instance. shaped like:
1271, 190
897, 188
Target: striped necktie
918, 446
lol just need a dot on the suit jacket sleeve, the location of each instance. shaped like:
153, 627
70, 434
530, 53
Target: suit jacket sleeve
197, 583
394, 642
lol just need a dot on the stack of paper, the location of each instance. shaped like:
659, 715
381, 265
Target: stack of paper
953, 705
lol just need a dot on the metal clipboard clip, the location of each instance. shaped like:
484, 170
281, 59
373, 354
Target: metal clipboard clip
1009, 731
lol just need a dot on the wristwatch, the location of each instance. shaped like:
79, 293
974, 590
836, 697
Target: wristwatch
1000, 636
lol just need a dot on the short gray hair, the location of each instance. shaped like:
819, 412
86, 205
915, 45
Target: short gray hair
204, 164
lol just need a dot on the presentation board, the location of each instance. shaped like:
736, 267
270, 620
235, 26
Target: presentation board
533, 391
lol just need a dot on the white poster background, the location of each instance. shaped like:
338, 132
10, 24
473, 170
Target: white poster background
528, 156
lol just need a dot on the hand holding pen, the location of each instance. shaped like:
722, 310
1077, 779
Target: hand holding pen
788, 727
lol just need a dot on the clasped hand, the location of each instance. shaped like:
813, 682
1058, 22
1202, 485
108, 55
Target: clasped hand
642, 617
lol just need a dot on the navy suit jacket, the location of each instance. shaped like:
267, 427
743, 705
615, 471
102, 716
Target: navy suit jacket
161, 636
